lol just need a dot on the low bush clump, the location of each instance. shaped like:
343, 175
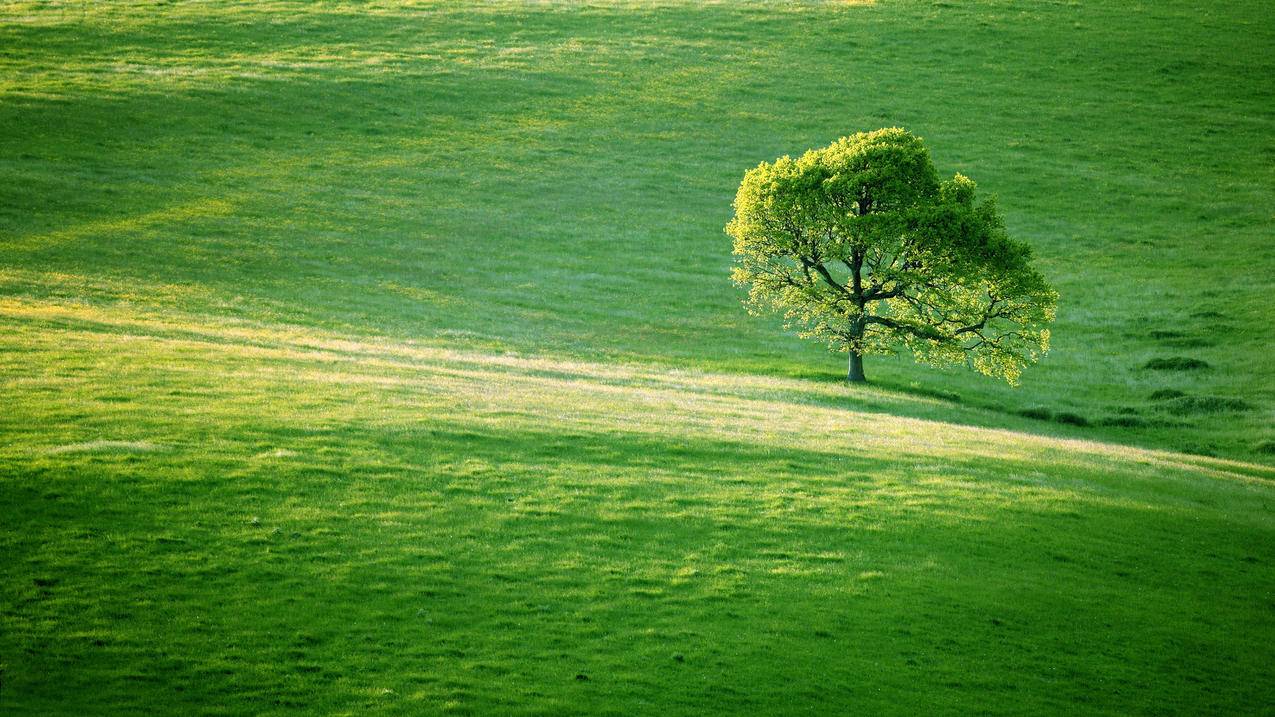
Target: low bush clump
1074, 419
1176, 363
1189, 405
1141, 422
1267, 447
1165, 394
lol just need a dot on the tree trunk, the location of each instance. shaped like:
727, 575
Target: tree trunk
855, 374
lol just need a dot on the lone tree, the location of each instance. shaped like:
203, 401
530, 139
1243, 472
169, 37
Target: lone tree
860, 245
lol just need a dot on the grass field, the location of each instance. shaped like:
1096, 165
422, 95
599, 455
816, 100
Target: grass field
384, 358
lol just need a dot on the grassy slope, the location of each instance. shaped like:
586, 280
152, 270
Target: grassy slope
259, 269
546, 180
285, 519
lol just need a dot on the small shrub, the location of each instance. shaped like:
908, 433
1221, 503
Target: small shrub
1038, 413
1074, 419
1176, 363
1165, 394
1191, 405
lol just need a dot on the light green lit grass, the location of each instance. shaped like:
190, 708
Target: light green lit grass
372, 357
271, 517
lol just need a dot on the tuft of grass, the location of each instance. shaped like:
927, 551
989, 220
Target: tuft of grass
1038, 413
1194, 405
1073, 419
1165, 394
1176, 363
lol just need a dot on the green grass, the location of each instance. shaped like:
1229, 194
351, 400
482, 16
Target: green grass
368, 358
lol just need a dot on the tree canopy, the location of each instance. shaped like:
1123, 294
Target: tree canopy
860, 245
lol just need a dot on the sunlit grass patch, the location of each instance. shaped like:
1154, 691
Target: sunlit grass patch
107, 446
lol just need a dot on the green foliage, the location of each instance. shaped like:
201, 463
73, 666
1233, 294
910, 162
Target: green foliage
859, 245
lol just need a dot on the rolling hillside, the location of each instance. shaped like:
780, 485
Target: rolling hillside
383, 357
